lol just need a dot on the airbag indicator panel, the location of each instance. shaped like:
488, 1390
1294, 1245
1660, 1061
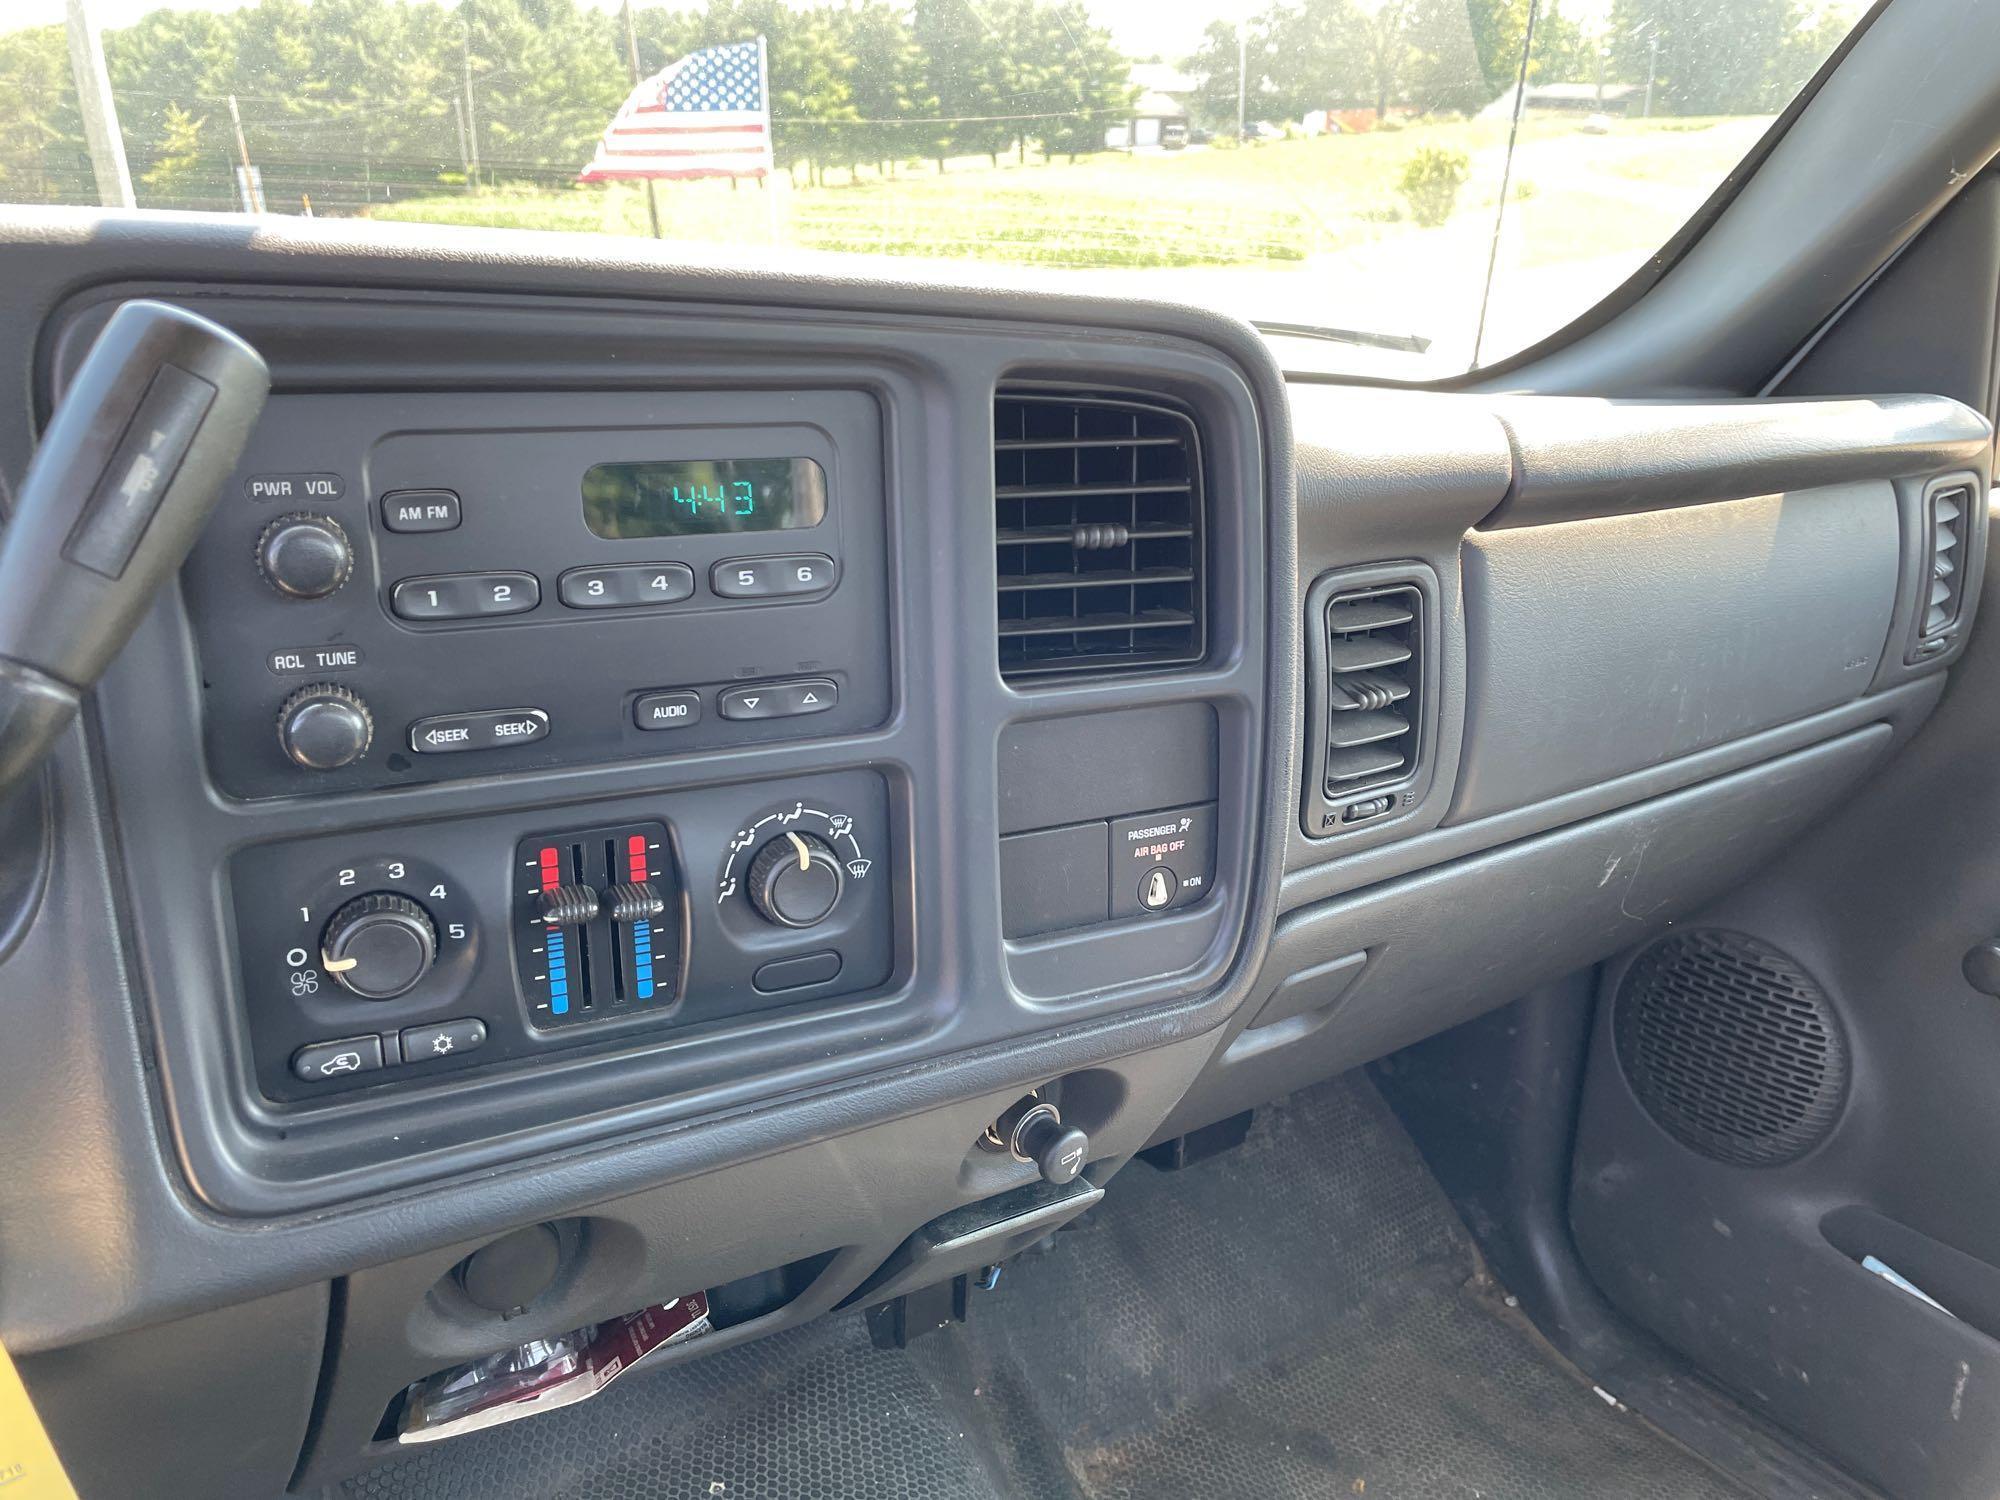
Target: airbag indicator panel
1162, 860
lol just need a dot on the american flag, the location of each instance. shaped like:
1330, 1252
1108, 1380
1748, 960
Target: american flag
708, 115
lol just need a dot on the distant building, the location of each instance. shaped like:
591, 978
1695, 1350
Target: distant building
1569, 98
1164, 92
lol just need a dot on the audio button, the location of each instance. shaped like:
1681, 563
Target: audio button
667, 710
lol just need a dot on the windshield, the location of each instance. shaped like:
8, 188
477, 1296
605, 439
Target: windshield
1431, 184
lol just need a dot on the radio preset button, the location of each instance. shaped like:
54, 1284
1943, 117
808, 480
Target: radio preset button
667, 710
420, 510
465, 596
626, 585
779, 700
482, 729
771, 577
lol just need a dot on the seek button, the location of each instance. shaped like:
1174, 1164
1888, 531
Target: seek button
485, 729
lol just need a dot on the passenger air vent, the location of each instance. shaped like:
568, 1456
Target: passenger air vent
1374, 667
1098, 532
1372, 655
1948, 512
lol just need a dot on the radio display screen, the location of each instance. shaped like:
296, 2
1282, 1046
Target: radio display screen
703, 496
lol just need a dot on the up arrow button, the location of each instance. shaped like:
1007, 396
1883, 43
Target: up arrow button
780, 700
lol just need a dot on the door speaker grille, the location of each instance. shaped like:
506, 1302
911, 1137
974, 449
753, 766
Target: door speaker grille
1731, 1047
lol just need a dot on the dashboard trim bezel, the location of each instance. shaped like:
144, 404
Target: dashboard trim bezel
234, 1149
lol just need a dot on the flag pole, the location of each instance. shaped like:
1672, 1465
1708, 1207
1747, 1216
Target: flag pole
632, 56
770, 143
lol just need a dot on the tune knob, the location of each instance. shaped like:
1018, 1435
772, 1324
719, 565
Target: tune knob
795, 880
304, 556
379, 945
325, 727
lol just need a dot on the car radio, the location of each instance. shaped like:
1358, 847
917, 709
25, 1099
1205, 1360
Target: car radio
407, 588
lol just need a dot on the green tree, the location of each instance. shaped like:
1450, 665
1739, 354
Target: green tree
1095, 88
1564, 52
961, 73
43, 158
887, 86
1708, 59
1314, 56
1499, 30
1386, 47
1214, 67
180, 162
1445, 73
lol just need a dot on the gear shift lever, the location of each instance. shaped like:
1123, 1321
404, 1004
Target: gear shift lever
121, 484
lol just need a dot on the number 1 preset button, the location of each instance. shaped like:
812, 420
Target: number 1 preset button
772, 577
465, 596
626, 585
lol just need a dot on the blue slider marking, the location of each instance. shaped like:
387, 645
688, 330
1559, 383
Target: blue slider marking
642, 959
558, 974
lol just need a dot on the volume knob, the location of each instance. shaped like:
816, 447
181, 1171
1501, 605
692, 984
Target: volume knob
304, 556
325, 727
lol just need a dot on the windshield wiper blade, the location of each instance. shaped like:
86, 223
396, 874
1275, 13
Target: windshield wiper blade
1402, 343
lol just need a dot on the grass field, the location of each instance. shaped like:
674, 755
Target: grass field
1273, 203
1308, 230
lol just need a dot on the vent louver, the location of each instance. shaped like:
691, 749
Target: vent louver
1949, 513
1098, 535
1374, 670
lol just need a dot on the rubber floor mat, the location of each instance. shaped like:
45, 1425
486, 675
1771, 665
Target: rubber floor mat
1300, 1317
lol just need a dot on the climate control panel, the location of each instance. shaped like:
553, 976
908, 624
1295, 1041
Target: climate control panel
373, 959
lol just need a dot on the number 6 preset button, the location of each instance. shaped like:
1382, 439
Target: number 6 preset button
771, 577
625, 585
465, 596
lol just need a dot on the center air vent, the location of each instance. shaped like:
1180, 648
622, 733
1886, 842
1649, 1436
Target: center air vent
1098, 511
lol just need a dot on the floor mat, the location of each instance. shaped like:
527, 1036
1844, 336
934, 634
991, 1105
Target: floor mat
1301, 1317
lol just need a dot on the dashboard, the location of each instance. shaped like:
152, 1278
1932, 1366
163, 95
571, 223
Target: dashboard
688, 764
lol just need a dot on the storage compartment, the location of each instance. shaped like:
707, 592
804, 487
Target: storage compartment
1606, 646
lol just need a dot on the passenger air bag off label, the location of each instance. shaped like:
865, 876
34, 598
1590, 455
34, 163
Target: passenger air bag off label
1162, 860
544, 1375
29, 1468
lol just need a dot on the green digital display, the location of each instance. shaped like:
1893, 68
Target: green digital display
703, 496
